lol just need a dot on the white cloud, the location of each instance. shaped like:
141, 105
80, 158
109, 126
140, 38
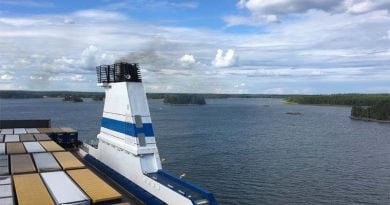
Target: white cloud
34, 77
227, 60
187, 59
6, 77
313, 49
388, 34
288, 6
363, 6
55, 78
267, 11
98, 15
252, 20
28, 3
89, 56
78, 78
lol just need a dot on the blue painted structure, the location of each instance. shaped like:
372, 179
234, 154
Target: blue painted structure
183, 187
127, 128
131, 187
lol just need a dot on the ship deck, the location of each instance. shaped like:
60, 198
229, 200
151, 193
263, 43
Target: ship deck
35, 169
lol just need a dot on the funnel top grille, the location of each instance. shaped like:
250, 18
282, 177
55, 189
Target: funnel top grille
118, 72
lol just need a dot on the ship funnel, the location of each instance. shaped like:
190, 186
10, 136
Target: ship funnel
118, 72
127, 147
126, 122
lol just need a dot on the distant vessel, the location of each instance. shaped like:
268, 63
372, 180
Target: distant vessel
57, 168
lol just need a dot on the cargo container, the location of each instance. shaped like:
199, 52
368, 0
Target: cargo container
63, 189
3, 160
68, 129
51, 146
45, 162
44, 130
32, 147
58, 135
8, 200
15, 148
6, 190
32, 130
4, 170
7, 131
2, 148
11, 138
70, 134
19, 131
68, 161
30, 190
26, 138
22, 163
96, 189
5, 180
1, 138
56, 130
42, 137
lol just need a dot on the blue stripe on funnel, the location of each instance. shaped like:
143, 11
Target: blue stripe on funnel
127, 128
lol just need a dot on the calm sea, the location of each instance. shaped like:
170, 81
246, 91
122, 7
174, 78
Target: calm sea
249, 151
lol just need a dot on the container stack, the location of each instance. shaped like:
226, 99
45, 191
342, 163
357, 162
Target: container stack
36, 170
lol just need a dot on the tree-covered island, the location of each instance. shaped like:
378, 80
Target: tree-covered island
184, 99
370, 107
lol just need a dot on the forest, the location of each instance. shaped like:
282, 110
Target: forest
184, 99
364, 106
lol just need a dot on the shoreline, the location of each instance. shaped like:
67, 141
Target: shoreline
295, 103
368, 119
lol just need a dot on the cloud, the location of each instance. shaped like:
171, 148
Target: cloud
288, 6
227, 60
313, 49
145, 5
264, 11
35, 77
28, 3
187, 59
6, 77
364, 6
78, 77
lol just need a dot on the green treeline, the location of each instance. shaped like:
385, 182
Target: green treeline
378, 111
339, 99
184, 99
21, 94
71, 98
365, 106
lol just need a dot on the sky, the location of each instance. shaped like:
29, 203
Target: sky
199, 46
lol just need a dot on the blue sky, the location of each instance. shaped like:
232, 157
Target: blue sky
229, 46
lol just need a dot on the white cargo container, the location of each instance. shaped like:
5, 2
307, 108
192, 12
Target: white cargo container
7, 201
45, 162
5, 180
63, 189
2, 148
7, 131
19, 131
4, 165
32, 147
6, 187
4, 171
6, 193
11, 138
32, 130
